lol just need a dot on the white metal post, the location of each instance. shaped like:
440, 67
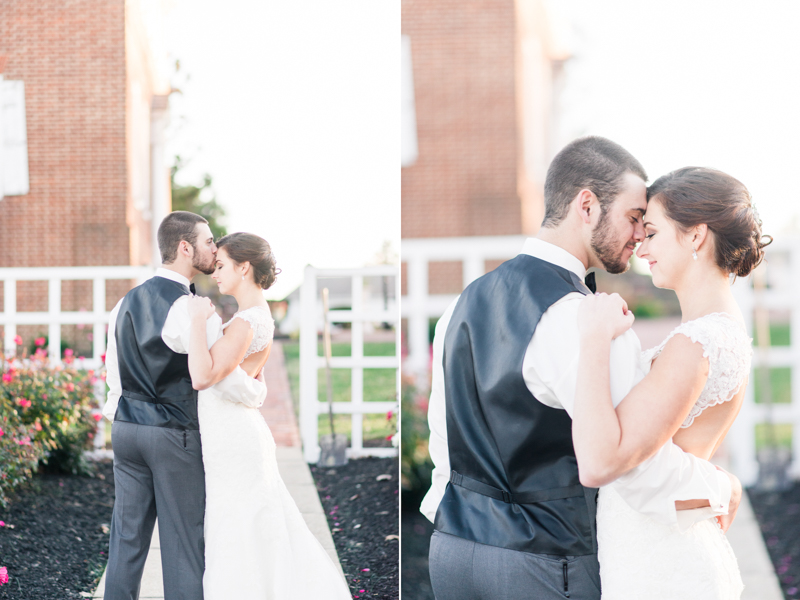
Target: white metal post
54, 327
794, 341
309, 403
357, 354
10, 310
99, 311
417, 275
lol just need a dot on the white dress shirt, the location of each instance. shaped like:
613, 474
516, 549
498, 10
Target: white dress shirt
176, 334
550, 371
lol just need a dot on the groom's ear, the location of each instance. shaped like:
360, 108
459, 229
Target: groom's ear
586, 204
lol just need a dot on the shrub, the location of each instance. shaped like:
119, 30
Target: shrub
55, 405
416, 465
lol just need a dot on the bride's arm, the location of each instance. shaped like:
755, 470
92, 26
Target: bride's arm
609, 442
208, 367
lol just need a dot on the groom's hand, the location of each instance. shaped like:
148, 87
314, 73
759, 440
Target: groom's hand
725, 521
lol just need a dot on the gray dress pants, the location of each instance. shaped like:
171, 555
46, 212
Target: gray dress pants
157, 472
464, 570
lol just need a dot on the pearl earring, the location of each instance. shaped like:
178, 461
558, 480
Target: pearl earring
243, 275
694, 253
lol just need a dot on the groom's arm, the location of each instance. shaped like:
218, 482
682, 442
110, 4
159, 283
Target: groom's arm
112, 367
437, 422
550, 369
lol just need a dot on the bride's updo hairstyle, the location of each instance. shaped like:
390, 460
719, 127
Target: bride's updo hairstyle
246, 247
694, 195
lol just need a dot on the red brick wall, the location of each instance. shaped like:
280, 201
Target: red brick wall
71, 56
465, 179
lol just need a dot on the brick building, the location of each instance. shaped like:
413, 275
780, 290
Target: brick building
480, 80
82, 150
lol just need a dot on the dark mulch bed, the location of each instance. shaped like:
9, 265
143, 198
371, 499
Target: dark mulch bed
417, 532
778, 514
362, 512
55, 538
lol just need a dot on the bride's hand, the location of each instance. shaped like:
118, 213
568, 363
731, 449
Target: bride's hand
200, 306
604, 314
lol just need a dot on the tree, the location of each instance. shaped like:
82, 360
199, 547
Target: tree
188, 198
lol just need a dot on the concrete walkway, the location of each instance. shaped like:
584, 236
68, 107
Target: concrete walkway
279, 414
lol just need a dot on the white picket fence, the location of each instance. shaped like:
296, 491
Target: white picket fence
311, 361
418, 306
54, 318
782, 294
783, 268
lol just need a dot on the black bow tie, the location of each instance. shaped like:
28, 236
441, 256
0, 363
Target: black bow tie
192, 290
590, 282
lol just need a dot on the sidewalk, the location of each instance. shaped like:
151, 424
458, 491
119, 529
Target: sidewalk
279, 414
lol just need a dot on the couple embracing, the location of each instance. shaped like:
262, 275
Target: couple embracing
541, 394
190, 446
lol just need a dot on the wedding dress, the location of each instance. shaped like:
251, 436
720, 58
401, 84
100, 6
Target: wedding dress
257, 545
641, 558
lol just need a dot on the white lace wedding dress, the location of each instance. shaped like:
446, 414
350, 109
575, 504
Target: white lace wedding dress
257, 545
642, 559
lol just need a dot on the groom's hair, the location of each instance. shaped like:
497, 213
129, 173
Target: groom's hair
177, 227
593, 163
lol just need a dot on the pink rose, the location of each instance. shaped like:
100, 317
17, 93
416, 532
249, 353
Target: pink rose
18, 340
389, 415
70, 387
2, 433
97, 417
68, 352
26, 441
3, 575
39, 341
7, 377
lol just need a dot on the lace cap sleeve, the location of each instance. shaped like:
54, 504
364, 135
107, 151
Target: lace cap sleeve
728, 350
262, 324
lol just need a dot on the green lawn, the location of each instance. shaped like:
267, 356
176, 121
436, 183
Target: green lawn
379, 386
780, 380
782, 433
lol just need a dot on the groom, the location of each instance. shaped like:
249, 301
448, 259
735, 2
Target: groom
158, 466
511, 517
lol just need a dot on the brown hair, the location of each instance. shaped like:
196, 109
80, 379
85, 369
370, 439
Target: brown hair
694, 195
246, 247
593, 163
179, 226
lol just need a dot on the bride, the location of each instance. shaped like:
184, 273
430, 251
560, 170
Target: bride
257, 545
700, 228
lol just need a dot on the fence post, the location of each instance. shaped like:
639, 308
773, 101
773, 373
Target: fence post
794, 341
418, 316
309, 402
10, 310
54, 328
357, 372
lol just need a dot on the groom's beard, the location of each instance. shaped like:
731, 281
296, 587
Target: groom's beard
205, 268
605, 247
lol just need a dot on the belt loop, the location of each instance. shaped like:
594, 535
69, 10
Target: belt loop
455, 478
506, 497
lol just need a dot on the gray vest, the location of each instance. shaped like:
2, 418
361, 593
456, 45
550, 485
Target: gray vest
156, 385
514, 480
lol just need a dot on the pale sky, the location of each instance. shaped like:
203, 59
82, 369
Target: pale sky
713, 83
293, 108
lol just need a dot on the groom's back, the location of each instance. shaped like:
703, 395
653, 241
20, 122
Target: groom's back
514, 481
156, 385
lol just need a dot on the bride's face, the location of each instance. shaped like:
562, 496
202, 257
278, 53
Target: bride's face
665, 247
225, 273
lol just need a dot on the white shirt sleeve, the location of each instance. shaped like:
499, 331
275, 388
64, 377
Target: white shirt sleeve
112, 368
437, 422
551, 371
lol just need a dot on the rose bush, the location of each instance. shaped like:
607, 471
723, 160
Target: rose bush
48, 416
416, 464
